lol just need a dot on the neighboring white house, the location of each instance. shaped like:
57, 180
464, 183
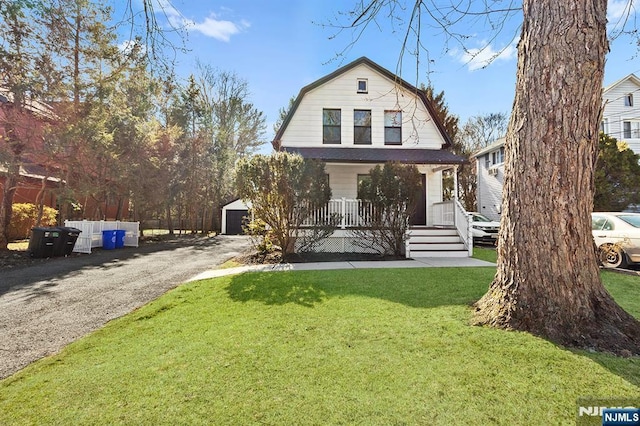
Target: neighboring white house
362, 115
621, 116
490, 175
620, 119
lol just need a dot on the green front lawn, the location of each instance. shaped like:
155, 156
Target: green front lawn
321, 347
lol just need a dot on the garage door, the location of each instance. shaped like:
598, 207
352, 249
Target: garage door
234, 221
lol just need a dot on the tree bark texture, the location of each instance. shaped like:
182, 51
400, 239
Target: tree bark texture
6, 204
548, 280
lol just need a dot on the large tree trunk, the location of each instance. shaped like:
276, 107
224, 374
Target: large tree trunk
548, 281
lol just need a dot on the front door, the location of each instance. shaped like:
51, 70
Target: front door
419, 217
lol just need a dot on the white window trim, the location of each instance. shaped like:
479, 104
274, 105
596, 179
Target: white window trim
366, 85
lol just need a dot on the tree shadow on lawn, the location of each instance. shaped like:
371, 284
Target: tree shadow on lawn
416, 288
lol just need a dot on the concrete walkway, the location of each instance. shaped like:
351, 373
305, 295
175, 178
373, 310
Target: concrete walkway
429, 262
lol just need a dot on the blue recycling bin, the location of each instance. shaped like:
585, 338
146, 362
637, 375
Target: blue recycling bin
109, 239
120, 238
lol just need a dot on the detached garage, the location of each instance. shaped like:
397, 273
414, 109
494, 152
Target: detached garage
233, 215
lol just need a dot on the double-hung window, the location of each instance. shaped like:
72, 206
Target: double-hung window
331, 126
393, 127
362, 127
631, 129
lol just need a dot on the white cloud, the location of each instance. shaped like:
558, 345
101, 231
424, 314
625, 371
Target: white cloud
218, 29
617, 9
211, 26
481, 57
127, 46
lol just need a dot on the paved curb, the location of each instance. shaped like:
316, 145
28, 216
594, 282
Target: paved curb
430, 262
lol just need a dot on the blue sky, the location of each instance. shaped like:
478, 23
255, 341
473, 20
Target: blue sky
279, 46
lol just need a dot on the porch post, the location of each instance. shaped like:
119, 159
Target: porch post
343, 212
455, 182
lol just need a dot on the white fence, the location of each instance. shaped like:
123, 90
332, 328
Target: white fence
91, 235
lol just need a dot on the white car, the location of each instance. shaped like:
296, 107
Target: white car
484, 230
617, 236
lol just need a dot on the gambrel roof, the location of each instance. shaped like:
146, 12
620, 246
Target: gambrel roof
380, 70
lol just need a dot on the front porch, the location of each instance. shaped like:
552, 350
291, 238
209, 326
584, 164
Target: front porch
447, 235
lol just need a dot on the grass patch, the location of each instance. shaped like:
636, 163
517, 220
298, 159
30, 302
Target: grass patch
318, 347
484, 253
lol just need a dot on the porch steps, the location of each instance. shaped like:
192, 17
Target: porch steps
436, 242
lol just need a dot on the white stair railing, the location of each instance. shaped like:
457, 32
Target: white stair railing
463, 225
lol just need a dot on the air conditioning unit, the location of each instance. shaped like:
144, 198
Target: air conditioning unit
493, 171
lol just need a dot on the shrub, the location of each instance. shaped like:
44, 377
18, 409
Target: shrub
24, 218
284, 190
390, 197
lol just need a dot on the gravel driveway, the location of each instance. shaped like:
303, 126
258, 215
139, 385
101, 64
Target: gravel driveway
45, 306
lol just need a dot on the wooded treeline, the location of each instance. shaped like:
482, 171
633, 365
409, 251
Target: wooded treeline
112, 127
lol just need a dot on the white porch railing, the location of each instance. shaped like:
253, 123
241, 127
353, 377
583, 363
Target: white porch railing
443, 214
349, 210
451, 213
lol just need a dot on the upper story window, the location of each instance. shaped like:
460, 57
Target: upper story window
362, 127
393, 127
331, 128
363, 85
628, 99
498, 156
604, 126
631, 129
494, 158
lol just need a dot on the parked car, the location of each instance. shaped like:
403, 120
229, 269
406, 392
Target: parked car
484, 230
617, 236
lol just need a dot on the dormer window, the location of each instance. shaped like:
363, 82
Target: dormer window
363, 85
628, 99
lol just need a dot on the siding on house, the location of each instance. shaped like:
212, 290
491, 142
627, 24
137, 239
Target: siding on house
490, 175
617, 111
305, 126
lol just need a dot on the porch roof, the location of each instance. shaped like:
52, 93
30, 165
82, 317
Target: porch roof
378, 155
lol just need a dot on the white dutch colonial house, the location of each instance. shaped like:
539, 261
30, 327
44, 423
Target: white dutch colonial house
360, 116
621, 115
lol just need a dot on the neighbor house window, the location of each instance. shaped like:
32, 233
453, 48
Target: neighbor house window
393, 127
604, 126
362, 127
628, 99
331, 128
631, 129
363, 85
498, 156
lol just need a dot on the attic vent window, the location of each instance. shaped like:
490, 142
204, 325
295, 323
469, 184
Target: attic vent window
363, 86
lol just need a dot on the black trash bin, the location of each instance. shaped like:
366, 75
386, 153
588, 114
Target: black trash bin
43, 241
67, 241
